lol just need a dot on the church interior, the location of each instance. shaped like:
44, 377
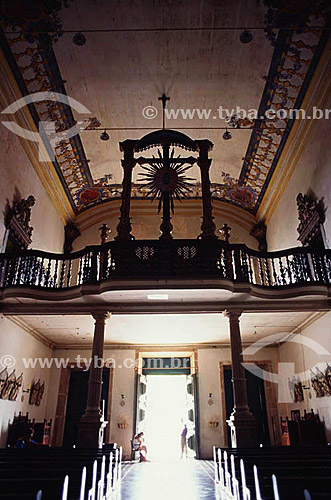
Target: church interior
165, 262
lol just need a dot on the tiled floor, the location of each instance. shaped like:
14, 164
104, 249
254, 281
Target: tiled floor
183, 479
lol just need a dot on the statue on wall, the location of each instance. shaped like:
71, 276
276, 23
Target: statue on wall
22, 211
259, 232
17, 221
71, 232
311, 217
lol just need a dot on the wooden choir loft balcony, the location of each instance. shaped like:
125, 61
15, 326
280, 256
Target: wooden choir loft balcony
166, 264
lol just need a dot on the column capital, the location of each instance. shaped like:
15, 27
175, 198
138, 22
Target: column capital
204, 146
204, 164
232, 315
101, 317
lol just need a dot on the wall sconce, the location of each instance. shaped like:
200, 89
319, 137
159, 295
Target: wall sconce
227, 135
122, 402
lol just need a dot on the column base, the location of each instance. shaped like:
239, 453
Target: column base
243, 430
91, 431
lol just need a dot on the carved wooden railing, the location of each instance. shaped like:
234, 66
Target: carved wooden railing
150, 259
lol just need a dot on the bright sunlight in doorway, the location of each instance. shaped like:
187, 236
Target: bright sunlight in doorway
168, 406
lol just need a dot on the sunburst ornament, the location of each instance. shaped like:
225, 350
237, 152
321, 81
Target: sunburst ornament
165, 178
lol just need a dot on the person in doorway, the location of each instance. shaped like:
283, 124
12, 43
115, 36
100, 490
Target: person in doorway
138, 445
183, 441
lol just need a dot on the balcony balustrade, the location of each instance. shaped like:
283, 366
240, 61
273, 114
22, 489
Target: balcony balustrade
155, 259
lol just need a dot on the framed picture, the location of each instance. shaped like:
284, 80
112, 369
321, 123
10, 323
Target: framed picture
298, 392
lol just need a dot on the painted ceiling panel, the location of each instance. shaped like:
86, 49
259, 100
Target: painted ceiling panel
135, 51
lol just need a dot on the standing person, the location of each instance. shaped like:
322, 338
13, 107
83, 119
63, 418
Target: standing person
138, 445
183, 441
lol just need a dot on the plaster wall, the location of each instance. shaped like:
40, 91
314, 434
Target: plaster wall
19, 176
146, 226
16, 342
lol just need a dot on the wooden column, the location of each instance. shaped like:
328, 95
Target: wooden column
208, 226
91, 425
242, 422
128, 163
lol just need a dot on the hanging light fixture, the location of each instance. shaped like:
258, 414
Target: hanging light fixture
104, 136
227, 135
79, 39
246, 36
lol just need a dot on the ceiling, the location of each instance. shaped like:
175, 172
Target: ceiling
162, 329
189, 49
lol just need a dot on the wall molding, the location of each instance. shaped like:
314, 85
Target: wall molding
316, 95
10, 92
18, 321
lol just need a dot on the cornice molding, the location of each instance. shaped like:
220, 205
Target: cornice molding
10, 92
18, 321
151, 347
316, 95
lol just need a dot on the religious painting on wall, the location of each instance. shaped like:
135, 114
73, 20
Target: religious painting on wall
328, 376
321, 382
3, 378
298, 392
40, 394
8, 386
36, 393
16, 387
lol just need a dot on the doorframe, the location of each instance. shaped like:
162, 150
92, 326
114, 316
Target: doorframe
193, 355
271, 393
62, 399
166, 354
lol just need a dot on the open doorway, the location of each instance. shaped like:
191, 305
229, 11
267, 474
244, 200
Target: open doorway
76, 403
166, 403
167, 407
256, 403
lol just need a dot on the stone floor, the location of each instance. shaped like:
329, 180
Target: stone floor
183, 479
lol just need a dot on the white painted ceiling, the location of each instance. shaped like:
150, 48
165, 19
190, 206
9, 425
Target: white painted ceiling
162, 329
117, 73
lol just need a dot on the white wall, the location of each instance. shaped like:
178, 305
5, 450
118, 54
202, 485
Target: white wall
306, 358
147, 226
312, 172
18, 343
18, 173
